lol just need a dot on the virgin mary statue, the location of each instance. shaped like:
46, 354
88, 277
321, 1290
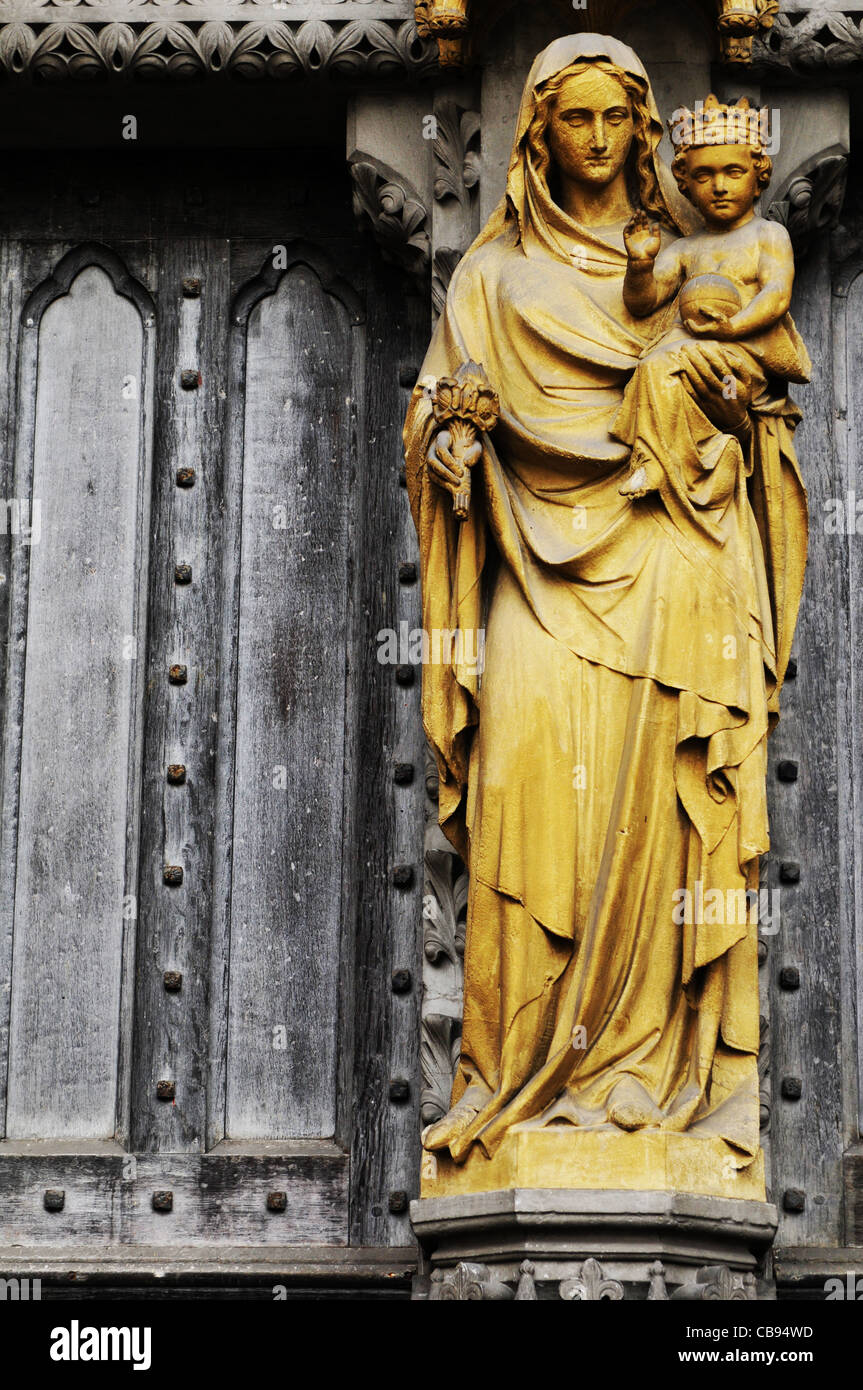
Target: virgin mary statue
603, 774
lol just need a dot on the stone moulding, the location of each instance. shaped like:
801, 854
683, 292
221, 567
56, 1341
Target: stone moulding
183, 40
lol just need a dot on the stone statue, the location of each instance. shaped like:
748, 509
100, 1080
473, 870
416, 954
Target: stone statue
605, 768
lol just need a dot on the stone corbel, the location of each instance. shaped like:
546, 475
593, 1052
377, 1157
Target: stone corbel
386, 202
448, 22
810, 164
811, 200
387, 149
738, 23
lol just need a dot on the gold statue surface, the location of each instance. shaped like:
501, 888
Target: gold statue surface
608, 763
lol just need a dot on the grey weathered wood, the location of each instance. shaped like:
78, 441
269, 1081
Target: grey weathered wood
171, 1038
11, 297
848, 358
385, 1156
292, 650
80, 680
807, 1136
375, 928
219, 1198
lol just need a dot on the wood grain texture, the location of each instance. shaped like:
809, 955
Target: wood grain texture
80, 678
286, 908
218, 1198
171, 1035
807, 1135
11, 298
385, 1155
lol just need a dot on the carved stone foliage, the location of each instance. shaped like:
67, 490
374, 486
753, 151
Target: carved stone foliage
811, 40
590, 1285
456, 151
393, 210
180, 42
811, 200
469, 1282
445, 888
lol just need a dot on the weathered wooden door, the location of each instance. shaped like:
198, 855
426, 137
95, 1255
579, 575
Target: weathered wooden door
199, 412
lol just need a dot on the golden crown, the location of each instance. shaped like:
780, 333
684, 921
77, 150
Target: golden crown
714, 123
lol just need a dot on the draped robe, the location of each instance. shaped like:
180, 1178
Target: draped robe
611, 752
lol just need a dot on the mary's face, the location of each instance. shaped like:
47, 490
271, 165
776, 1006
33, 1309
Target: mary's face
590, 128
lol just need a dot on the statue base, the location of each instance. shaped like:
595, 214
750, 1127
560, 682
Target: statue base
536, 1244
564, 1159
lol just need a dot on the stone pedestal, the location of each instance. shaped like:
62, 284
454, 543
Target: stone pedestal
540, 1243
560, 1158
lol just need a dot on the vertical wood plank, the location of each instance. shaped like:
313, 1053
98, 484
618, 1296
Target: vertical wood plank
11, 297
806, 1024
386, 1150
79, 684
171, 1037
289, 773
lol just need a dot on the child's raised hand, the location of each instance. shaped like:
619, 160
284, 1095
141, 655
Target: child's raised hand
641, 238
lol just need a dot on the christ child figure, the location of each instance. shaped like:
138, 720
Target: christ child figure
734, 279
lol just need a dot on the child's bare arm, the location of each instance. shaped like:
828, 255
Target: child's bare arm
652, 276
775, 279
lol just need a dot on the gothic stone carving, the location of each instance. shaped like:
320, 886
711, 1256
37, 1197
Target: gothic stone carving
183, 43
811, 40
393, 209
811, 200
470, 1282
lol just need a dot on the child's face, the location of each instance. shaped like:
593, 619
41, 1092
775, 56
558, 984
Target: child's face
722, 182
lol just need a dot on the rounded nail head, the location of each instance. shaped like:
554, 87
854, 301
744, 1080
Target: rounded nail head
178, 675
163, 1201
762, 950
791, 1087
789, 977
401, 981
794, 1199
185, 477
55, 1199
173, 874
173, 981
190, 379
398, 1202
405, 674
403, 774
403, 875
789, 872
277, 1201
183, 574
787, 770
407, 572
191, 287
166, 1090
176, 774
